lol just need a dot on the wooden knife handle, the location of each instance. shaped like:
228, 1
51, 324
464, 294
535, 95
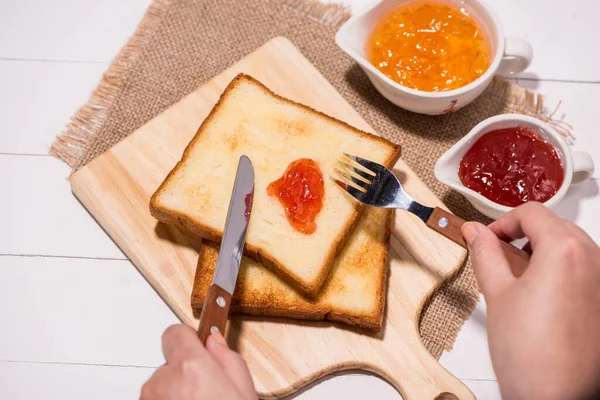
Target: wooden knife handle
449, 225
214, 312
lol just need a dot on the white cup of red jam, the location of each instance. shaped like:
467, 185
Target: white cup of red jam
503, 55
511, 159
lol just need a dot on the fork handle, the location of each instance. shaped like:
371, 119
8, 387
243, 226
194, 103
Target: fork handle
449, 225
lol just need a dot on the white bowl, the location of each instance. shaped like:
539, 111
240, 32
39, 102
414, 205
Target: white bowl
578, 166
510, 56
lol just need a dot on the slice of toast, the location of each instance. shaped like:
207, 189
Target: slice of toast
272, 131
354, 293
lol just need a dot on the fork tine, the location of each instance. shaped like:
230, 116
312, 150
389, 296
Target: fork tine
359, 164
351, 181
355, 172
352, 191
385, 190
368, 166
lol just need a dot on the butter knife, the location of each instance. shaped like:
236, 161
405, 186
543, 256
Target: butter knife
218, 297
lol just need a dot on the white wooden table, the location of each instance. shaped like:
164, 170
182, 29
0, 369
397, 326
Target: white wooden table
77, 321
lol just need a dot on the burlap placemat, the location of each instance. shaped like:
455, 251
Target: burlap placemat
181, 44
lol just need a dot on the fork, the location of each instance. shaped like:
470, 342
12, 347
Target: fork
376, 186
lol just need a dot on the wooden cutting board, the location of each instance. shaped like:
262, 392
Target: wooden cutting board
283, 355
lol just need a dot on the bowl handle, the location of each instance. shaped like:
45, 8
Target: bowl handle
583, 166
517, 56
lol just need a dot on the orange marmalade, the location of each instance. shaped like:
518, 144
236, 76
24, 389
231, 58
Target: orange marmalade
429, 46
300, 190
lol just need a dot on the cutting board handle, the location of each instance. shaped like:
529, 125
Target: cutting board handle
422, 377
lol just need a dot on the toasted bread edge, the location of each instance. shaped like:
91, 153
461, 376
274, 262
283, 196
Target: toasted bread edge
372, 320
307, 288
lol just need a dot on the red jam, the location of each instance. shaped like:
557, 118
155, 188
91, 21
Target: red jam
300, 190
512, 166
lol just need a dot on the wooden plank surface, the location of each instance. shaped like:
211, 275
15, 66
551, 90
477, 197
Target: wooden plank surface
283, 355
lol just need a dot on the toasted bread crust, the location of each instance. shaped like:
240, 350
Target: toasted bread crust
270, 261
250, 300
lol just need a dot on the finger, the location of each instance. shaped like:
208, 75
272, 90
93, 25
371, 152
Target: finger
531, 220
155, 387
181, 342
578, 232
232, 364
492, 270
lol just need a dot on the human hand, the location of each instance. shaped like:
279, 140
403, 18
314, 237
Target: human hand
193, 372
544, 327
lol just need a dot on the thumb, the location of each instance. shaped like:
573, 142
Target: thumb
492, 270
232, 364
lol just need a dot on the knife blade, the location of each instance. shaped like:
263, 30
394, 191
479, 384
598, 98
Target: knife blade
218, 297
